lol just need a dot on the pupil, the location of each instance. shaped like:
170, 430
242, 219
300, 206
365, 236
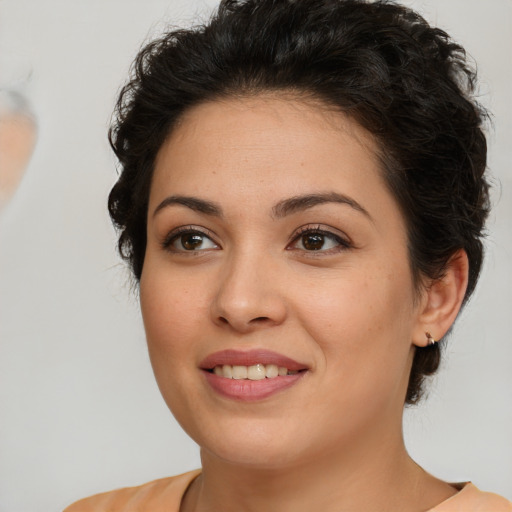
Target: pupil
191, 242
313, 242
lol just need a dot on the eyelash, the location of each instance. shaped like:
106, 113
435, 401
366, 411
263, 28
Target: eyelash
174, 235
342, 243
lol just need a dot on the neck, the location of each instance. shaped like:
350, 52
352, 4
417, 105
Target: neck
360, 477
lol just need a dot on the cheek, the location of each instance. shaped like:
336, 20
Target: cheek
170, 312
360, 305
362, 326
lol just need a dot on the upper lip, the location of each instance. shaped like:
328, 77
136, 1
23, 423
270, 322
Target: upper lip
250, 358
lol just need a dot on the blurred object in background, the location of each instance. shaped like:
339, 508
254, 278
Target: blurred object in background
17, 139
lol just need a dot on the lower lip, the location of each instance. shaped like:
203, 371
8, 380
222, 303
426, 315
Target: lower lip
246, 390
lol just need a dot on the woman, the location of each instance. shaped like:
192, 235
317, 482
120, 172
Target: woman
302, 200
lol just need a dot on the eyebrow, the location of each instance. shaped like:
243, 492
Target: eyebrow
194, 203
301, 203
281, 209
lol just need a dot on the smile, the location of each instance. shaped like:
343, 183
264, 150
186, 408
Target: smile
257, 371
253, 375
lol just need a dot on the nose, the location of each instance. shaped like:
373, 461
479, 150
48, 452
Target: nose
248, 296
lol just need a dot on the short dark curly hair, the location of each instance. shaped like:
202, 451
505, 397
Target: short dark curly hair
378, 62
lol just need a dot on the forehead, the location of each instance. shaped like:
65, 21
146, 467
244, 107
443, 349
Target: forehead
268, 147
260, 125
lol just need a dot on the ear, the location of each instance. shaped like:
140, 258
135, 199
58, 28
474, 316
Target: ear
442, 300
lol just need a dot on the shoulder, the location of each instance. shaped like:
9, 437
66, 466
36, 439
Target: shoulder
158, 495
472, 499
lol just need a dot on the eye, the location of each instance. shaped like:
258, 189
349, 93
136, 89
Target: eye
188, 240
316, 239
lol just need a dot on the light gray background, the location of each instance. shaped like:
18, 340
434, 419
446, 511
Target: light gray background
80, 412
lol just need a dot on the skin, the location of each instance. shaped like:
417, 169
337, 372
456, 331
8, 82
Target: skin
349, 310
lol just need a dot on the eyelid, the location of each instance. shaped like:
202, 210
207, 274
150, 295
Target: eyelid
172, 235
343, 240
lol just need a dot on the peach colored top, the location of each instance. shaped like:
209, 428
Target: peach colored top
165, 494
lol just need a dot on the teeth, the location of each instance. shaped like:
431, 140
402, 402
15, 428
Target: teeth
239, 372
254, 372
271, 370
227, 371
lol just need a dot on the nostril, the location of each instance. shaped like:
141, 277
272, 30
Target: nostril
257, 320
260, 319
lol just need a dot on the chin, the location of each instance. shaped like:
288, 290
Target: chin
254, 456
250, 444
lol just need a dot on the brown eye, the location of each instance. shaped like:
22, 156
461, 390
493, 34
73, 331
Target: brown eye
313, 241
319, 240
191, 241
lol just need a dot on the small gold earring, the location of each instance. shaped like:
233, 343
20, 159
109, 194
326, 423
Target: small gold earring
430, 340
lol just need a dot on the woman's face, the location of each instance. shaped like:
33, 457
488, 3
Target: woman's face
274, 242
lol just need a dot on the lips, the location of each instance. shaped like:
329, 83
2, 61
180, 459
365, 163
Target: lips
250, 358
232, 373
